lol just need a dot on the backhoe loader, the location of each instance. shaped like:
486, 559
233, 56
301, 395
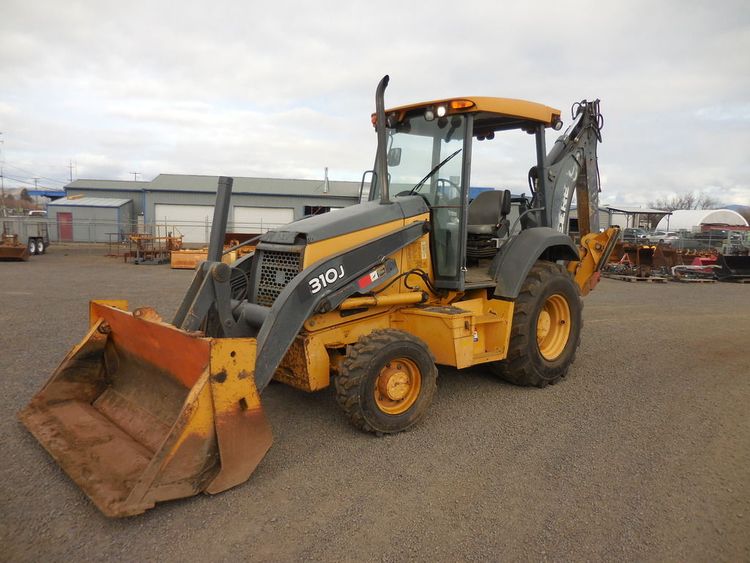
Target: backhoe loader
369, 299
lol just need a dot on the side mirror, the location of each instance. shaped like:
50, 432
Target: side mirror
394, 156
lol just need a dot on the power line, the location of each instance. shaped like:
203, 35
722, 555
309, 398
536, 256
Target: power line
19, 180
31, 175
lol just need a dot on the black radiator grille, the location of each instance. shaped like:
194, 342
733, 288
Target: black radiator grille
277, 269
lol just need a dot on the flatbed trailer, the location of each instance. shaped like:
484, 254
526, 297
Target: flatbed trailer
33, 231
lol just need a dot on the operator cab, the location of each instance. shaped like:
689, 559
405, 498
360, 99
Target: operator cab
428, 154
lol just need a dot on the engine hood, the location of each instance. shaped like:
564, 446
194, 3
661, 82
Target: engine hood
346, 220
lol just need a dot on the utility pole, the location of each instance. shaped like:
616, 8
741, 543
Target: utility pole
135, 176
70, 167
2, 178
2, 190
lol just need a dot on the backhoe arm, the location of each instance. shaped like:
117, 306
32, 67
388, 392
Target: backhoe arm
594, 251
572, 167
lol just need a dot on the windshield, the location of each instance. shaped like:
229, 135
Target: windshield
417, 147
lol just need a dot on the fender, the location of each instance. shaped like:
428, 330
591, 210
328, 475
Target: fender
515, 259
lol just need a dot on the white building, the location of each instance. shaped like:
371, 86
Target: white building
692, 219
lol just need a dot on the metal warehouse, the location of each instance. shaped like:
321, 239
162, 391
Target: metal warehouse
184, 203
90, 219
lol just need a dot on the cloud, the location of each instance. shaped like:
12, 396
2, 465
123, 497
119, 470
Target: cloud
283, 91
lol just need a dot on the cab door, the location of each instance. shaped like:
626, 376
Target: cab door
449, 191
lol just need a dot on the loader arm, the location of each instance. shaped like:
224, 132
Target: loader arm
298, 300
208, 299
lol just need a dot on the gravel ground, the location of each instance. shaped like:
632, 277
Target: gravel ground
642, 453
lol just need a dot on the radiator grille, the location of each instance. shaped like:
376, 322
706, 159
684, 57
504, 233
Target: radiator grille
277, 269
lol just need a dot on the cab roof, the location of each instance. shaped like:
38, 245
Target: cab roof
508, 107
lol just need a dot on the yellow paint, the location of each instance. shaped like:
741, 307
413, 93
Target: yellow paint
503, 106
398, 386
205, 401
591, 251
479, 333
121, 304
317, 251
408, 298
234, 357
196, 417
553, 327
306, 365
447, 336
416, 256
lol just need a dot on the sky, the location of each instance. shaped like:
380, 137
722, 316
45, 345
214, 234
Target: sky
285, 89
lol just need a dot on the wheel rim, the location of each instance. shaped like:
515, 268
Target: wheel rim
553, 327
397, 386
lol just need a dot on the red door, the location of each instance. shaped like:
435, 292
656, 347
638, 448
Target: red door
65, 227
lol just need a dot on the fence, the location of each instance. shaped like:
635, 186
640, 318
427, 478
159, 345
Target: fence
197, 233
193, 233
725, 241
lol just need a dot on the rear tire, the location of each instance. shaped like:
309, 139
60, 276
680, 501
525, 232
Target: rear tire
387, 381
546, 329
40, 248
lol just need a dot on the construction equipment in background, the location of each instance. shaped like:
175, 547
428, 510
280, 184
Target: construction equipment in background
190, 258
370, 299
733, 268
734, 258
11, 249
700, 269
640, 261
654, 262
146, 248
33, 230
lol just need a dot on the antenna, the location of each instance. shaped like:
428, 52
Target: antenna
135, 176
70, 166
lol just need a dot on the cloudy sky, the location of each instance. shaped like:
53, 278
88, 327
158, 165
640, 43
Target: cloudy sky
284, 89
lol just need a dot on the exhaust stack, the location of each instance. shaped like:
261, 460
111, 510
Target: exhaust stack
381, 168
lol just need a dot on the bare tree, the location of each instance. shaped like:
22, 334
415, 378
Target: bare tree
687, 200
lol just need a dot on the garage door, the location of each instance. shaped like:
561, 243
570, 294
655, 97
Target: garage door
260, 219
193, 221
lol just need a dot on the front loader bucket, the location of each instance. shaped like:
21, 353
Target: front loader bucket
141, 412
733, 267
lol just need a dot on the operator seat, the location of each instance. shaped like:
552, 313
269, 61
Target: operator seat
486, 222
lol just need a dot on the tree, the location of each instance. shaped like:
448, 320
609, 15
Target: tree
687, 200
25, 195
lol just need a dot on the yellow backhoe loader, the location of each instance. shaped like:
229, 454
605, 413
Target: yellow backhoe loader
370, 299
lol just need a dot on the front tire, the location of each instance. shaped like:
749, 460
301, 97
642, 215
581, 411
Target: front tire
32, 246
546, 329
387, 381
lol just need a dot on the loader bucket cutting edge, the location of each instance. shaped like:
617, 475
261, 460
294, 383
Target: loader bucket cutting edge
141, 412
